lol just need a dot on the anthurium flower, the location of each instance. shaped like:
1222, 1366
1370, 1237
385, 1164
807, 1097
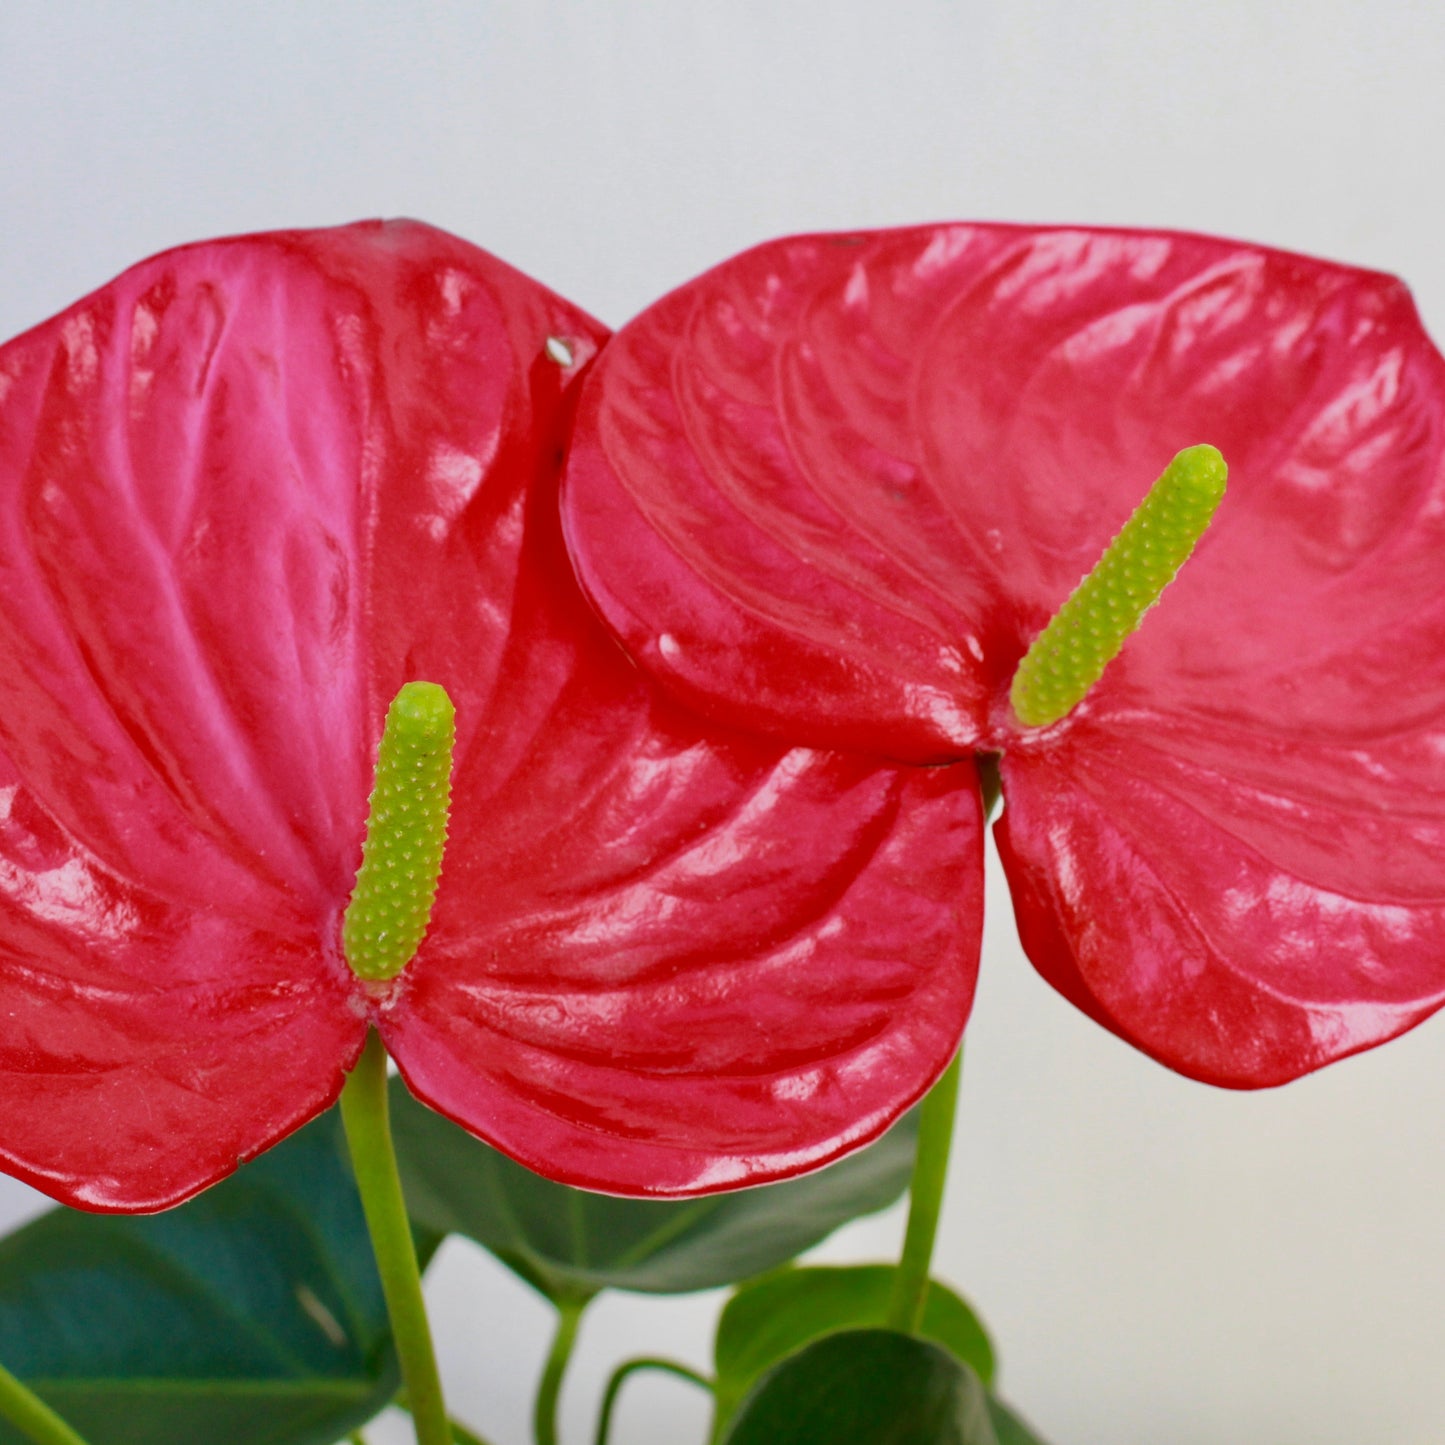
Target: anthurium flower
248, 491
834, 488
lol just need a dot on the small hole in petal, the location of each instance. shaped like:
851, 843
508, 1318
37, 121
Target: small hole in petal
559, 349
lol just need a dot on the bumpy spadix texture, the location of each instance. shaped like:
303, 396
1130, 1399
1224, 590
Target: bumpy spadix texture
249, 490
406, 834
834, 488
1087, 633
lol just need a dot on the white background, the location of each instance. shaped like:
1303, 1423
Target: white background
1162, 1264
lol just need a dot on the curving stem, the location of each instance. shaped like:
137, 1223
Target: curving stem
626, 1370
549, 1388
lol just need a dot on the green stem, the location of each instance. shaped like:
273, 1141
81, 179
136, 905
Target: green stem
30, 1414
549, 1387
625, 1371
365, 1114
925, 1200
460, 1432
465, 1436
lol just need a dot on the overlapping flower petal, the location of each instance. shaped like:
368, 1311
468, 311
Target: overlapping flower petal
853, 476
246, 492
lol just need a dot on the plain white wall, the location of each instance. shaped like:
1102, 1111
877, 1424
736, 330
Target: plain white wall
1163, 1264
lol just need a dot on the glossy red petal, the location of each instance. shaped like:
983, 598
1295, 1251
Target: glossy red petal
249, 490
1219, 939
857, 474
747, 503
834, 486
149, 1045
228, 482
666, 963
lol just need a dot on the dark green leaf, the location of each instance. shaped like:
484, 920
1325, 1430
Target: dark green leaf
567, 1242
866, 1387
773, 1317
252, 1314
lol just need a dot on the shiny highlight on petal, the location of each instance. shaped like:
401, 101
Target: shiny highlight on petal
1088, 632
406, 832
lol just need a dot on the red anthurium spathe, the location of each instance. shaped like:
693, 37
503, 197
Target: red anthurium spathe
247, 491
835, 487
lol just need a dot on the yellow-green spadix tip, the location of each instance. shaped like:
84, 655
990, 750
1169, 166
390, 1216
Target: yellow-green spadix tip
1088, 632
406, 831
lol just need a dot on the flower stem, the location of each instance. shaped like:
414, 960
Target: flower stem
549, 1387
366, 1116
625, 1371
31, 1415
465, 1436
925, 1200
461, 1434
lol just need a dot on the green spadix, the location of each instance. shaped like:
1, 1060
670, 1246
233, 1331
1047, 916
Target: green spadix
406, 832
1088, 632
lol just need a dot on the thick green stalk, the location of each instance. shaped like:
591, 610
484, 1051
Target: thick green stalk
465, 1436
30, 1414
367, 1118
625, 1371
549, 1388
462, 1434
925, 1200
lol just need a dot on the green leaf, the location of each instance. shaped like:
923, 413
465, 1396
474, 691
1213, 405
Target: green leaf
251, 1314
866, 1387
1008, 1427
773, 1317
569, 1243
